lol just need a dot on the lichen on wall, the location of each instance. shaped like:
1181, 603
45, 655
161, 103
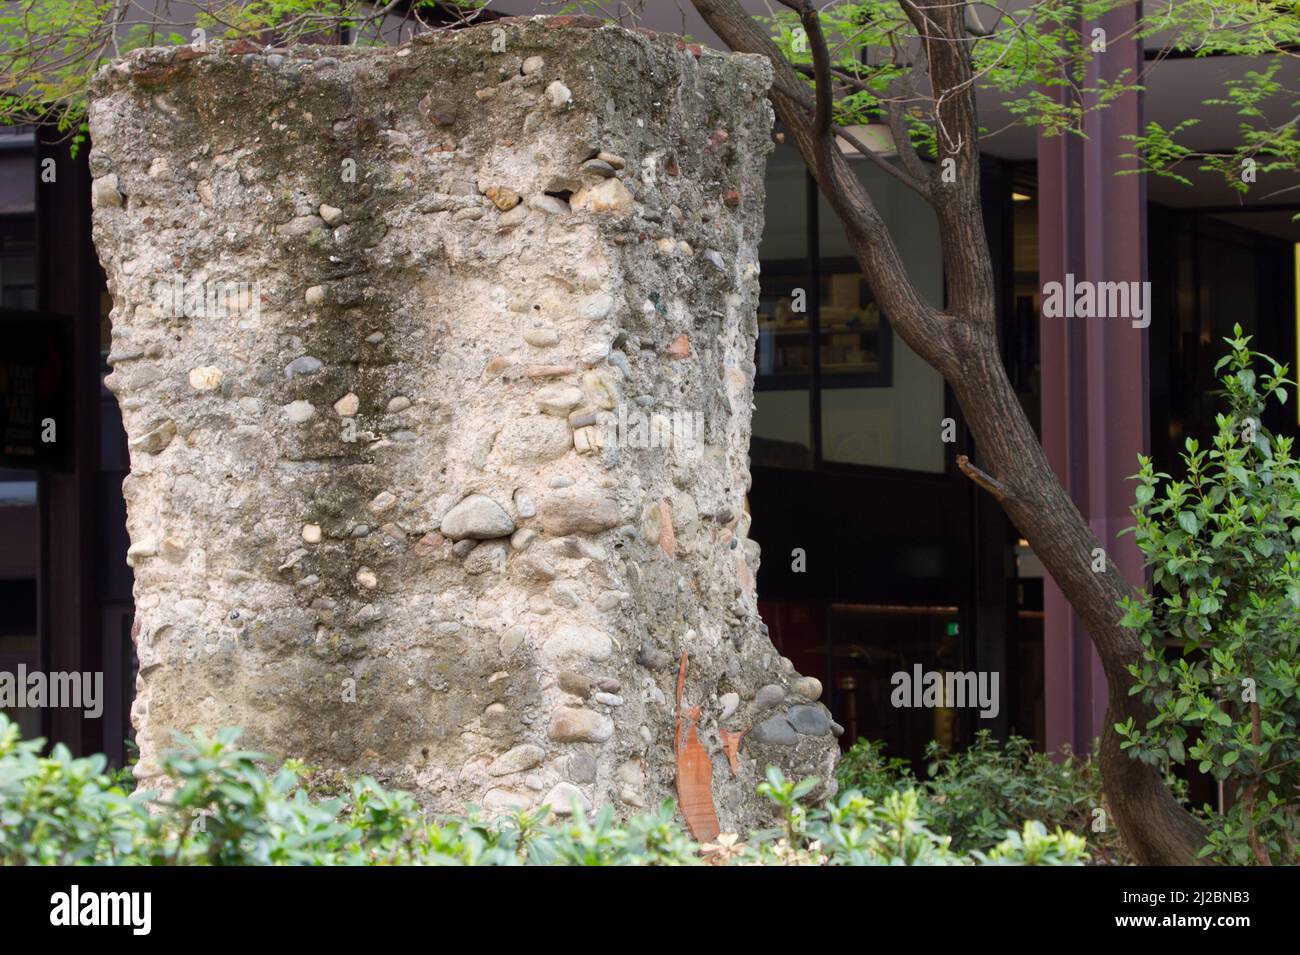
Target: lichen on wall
436, 368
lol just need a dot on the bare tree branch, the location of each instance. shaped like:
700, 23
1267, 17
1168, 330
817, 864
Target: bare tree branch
983, 479
812, 25
911, 181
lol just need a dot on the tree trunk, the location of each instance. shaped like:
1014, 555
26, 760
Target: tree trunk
961, 343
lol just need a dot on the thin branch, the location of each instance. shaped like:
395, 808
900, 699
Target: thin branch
983, 479
821, 56
903, 141
916, 184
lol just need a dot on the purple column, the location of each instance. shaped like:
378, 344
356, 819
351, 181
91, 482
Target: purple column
1092, 224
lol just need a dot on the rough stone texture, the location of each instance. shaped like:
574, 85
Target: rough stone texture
324, 477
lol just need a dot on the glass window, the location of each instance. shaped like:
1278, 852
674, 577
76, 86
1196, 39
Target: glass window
17, 263
782, 407
784, 344
17, 218
855, 342
872, 643
882, 405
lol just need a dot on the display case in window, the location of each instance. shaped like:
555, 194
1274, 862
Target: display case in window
855, 341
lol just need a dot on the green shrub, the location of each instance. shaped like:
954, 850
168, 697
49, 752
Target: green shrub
221, 808
856, 829
980, 794
1221, 630
865, 767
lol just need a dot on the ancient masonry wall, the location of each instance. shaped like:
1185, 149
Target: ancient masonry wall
435, 364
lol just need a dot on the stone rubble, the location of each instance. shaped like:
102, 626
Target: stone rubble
455, 582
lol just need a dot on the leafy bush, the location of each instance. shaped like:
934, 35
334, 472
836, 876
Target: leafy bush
857, 830
980, 794
1221, 630
221, 808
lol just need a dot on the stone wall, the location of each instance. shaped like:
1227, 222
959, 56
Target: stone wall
435, 364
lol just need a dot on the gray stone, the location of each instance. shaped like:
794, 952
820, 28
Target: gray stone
773, 731
488, 557
578, 684
652, 658
809, 720
578, 510
303, 365
619, 361
809, 687
499, 800
581, 768
609, 600
559, 400
543, 337
301, 225
512, 640
524, 505
508, 220
299, 411
551, 205
533, 439
572, 725
564, 796
155, 441
729, 702
478, 517
517, 760
575, 640
769, 696
558, 95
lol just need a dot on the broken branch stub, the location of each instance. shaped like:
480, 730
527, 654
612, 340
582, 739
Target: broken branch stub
423, 482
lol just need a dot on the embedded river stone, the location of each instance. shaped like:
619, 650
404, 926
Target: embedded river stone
380, 320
